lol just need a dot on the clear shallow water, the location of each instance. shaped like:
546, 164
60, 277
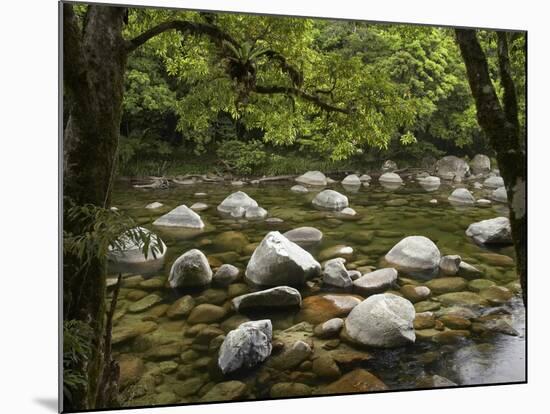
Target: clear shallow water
384, 217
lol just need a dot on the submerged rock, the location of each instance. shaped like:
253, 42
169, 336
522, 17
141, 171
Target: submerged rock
358, 380
199, 207
313, 178
225, 391
181, 216
376, 282
304, 236
450, 264
236, 204
329, 328
383, 320
154, 205
330, 200
190, 269
415, 255
491, 231
277, 297
278, 261
246, 346
299, 189
339, 250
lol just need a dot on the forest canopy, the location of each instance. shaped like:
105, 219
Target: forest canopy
337, 89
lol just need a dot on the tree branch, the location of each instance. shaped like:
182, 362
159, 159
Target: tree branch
182, 26
274, 89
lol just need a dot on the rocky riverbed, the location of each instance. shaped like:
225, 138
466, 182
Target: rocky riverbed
280, 289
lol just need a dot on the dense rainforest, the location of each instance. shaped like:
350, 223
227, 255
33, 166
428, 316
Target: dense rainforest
163, 92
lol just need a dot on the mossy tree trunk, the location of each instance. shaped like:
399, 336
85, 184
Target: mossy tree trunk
500, 123
94, 63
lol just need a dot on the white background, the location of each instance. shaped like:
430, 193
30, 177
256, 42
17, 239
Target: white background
28, 238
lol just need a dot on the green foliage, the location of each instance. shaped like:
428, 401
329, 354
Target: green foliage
76, 351
243, 157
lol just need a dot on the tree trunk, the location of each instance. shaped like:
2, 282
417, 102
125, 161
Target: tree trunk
94, 65
501, 126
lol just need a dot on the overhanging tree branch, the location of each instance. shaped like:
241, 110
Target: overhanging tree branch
274, 89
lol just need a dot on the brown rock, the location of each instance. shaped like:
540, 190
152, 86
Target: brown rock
206, 313
320, 308
358, 380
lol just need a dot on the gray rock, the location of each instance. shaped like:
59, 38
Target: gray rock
292, 356
330, 328
452, 168
335, 274
354, 274
365, 178
190, 269
480, 164
391, 178
278, 261
236, 204
500, 195
313, 178
330, 200
377, 281
304, 236
415, 255
492, 231
299, 189
348, 211
483, 202
351, 180
430, 183
225, 275
128, 249
468, 271
461, 196
154, 205
237, 183
181, 216
493, 182
199, 207
389, 166
246, 346
383, 320
450, 264
277, 297
255, 213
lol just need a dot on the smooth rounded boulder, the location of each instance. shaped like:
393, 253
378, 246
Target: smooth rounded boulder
494, 182
181, 216
384, 320
246, 346
330, 200
500, 195
236, 204
312, 178
351, 180
390, 178
376, 282
277, 297
480, 164
461, 196
278, 261
415, 255
452, 168
304, 236
190, 269
492, 231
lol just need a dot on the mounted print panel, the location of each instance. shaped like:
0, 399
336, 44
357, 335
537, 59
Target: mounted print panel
259, 207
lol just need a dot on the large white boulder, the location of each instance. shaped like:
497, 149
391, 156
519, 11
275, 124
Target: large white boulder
382, 320
492, 231
495, 181
461, 196
352, 181
181, 216
313, 178
330, 200
415, 255
236, 204
391, 178
500, 195
190, 269
278, 261
246, 346
480, 164
452, 168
